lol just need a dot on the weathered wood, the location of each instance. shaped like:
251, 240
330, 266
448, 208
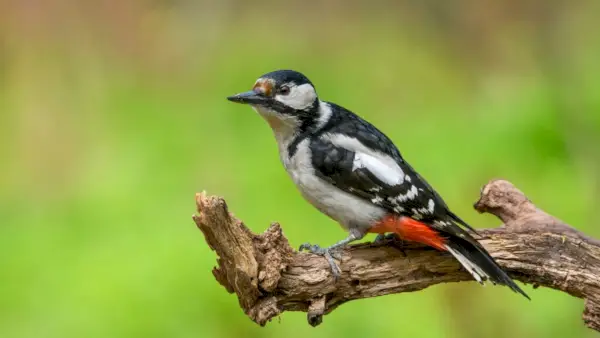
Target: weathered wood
269, 277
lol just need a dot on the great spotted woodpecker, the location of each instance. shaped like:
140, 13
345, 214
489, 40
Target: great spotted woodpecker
352, 172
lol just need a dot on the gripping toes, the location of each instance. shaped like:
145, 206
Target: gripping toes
384, 238
328, 254
316, 249
335, 269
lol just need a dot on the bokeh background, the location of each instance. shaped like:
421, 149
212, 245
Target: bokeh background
113, 115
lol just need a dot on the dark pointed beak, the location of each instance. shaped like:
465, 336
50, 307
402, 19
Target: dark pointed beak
249, 97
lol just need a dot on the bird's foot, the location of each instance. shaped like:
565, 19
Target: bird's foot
381, 239
393, 239
328, 253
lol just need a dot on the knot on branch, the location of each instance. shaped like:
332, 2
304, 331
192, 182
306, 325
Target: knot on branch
316, 310
501, 198
591, 314
269, 277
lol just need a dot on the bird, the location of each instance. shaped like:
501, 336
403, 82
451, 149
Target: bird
352, 172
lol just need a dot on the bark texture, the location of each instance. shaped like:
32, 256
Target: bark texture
269, 277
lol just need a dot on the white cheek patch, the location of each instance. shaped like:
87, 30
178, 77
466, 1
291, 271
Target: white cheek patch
278, 122
264, 111
300, 97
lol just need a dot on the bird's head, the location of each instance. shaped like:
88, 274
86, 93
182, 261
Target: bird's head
283, 98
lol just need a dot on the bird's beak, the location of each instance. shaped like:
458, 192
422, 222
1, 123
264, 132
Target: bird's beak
249, 97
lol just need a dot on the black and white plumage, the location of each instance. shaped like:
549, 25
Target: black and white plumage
352, 172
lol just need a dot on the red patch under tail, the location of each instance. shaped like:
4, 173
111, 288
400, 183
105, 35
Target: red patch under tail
411, 230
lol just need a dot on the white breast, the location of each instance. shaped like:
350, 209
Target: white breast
347, 209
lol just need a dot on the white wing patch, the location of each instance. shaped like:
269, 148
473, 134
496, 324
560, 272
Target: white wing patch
389, 175
381, 165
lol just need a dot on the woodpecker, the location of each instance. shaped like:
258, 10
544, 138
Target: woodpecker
353, 173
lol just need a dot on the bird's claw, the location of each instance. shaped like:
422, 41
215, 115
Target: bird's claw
381, 239
316, 249
393, 239
328, 253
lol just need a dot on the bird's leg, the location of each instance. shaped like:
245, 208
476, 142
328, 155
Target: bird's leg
333, 250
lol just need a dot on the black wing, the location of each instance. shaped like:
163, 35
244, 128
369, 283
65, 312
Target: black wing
335, 163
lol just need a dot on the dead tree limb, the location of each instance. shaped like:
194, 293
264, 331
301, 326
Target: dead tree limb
269, 277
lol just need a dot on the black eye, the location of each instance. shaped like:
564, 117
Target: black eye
284, 90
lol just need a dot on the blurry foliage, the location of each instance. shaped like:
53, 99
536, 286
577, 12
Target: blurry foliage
113, 114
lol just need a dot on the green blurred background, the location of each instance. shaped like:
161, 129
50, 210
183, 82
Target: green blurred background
113, 115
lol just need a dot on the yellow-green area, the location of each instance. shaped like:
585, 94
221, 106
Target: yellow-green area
113, 115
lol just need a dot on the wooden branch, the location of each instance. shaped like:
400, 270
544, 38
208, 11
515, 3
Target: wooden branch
269, 277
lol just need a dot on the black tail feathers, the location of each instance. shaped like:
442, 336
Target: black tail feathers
479, 263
